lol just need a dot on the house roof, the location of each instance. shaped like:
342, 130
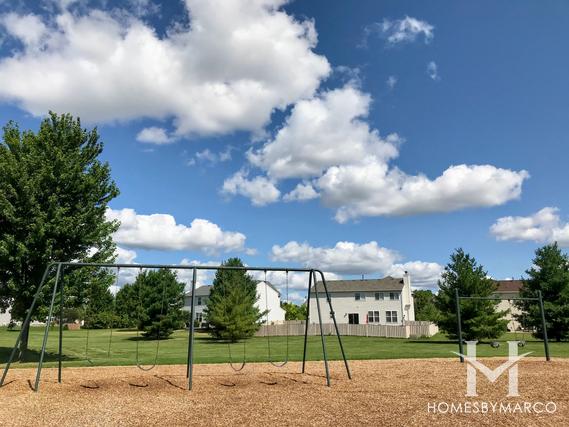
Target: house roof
509, 285
367, 285
203, 291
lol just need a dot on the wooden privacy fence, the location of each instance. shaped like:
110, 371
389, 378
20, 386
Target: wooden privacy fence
296, 328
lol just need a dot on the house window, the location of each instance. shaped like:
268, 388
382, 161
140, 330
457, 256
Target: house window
358, 296
379, 296
393, 295
199, 301
373, 316
391, 316
353, 318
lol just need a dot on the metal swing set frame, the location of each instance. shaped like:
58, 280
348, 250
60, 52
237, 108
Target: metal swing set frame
538, 299
58, 286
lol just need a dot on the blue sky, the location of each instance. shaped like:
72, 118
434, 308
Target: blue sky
412, 128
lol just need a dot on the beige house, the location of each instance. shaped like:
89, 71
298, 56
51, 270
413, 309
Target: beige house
509, 289
386, 301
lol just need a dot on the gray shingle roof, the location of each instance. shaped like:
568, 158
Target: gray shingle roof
203, 291
367, 285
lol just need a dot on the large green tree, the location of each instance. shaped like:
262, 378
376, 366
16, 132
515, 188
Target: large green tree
550, 275
425, 309
293, 311
54, 191
153, 303
231, 312
480, 318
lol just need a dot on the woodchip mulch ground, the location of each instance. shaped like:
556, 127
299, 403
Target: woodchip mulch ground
382, 393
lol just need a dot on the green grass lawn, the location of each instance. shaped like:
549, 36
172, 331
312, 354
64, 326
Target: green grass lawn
207, 350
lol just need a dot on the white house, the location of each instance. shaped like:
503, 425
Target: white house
268, 298
386, 301
5, 318
507, 289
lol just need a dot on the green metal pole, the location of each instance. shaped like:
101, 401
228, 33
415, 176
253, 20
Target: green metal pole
459, 323
46, 333
190, 370
321, 331
333, 314
60, 357
544, 326
25, 323
307, 321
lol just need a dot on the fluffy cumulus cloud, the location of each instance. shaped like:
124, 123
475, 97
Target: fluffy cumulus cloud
221, 72
545, 226
301, 193
349, 258
423, 274
260, 190
154, 135
327, 143
399, 31
162, 232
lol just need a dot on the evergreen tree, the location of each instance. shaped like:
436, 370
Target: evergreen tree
54, 192
550, 275
231, 312
425, 309
153, 302
480, 318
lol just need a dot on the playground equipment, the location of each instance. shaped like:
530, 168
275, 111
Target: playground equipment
59, 268
496, 344
285, 361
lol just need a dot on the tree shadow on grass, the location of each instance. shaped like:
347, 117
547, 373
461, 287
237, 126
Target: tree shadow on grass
32, 356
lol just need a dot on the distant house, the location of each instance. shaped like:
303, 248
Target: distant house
268, 298
509, 289
5, 318
386, 301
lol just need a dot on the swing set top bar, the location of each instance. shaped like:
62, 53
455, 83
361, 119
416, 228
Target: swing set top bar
184, 267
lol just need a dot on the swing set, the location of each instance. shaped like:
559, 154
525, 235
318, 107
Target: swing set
60, 267
496, 344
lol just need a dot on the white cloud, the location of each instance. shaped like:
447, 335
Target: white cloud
545, 226
161, 232
423, 274
302, 192
260, 190
323, 132
29, 29
391, 82
154, 135
399, 31
343, 258
223, 72
373, 189
354, 259
210, 157
433, 71
326, 140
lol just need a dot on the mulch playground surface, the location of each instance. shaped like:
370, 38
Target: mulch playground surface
382, 393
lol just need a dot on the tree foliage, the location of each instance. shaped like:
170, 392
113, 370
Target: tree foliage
231, 312
293, 311
480, 318
425, 308
54, 192
550, 275
153, 303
